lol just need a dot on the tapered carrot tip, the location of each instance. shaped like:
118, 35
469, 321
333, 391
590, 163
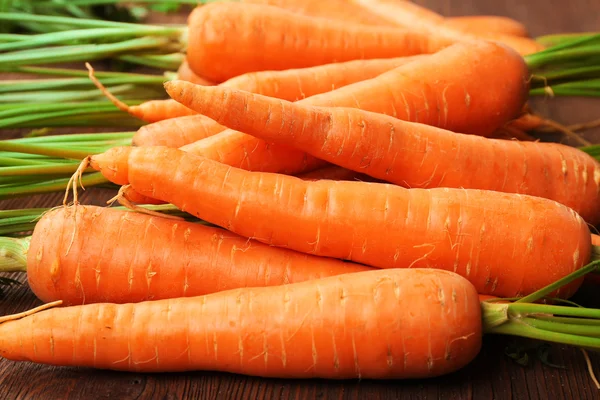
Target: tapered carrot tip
198, 97
113, 164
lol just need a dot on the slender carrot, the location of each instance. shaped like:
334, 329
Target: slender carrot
372, 324
455, 89
293, 84
405, 153
462, 230
86, 254
378, 324
227, 39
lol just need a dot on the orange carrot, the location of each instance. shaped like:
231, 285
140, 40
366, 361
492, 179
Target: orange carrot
86, 254
421, 19
455, 89
290, 85
185, 73
462, 230
333, 172
176, 132
477, 24
373, 324
405, 153
227, 39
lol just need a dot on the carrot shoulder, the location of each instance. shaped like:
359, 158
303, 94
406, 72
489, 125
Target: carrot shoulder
376, 325
456, 89
229, 39
405, 153
463, 230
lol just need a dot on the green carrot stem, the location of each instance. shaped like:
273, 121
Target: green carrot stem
17, 181
46, 107
14, 254
161, 61
48, 169
67, 95
18, 162
562, 91
97, 2
42, 150
556, 39
538, 59
55, 185
45, 39
553, 326
568, 73
80, 52
564, 320
69, 21
13, 229
12, 37
79, 137
81, 73
523, 330
21, 212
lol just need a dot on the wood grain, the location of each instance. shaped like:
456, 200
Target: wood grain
493, 375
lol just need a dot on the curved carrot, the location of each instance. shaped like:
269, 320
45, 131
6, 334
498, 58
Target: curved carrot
463, 230
229, 39
405, 153
456, 89
374, 325
88, 254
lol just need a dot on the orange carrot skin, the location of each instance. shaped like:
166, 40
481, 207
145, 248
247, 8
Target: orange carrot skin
185, 73
177, 132
476, 24
158, 110
460, 230
88, 254
381, 324
336, 173
456, 89
405, 153
229, 39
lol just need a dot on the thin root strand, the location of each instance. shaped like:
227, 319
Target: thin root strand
118, 103
30, 312
121, 197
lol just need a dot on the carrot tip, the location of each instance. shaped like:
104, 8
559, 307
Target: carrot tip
118, 103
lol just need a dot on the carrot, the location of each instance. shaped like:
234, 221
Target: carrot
379, 324
476, 24
343, 10
410, 15
373, 324
463, 230
405, 153
455, 89
185, 73
290, 85
86, 254
176, 132
229, 39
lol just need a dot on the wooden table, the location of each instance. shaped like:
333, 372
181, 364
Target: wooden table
493, 375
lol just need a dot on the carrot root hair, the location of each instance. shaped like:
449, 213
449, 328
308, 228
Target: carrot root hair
75, 179
27, 313
118, 103
121, 198
590, 368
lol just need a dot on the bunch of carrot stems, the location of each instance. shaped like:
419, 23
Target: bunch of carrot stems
303, 215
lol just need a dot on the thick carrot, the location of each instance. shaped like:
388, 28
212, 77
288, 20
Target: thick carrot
86, 254
456, 89
463, 230
413, 16
374, 324
227, 39
405, 153
290, 85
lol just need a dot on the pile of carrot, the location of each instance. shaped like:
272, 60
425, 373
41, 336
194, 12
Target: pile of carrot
328, 192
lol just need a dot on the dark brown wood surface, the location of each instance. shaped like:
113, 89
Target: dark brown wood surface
493, 375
